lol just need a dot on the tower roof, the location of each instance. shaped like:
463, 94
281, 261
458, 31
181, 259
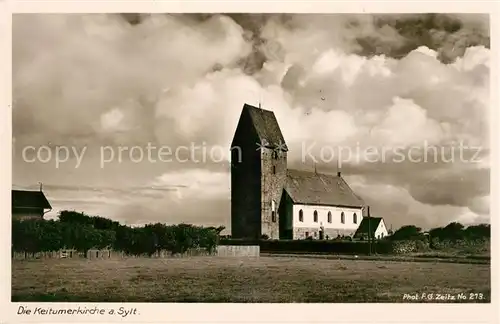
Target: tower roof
267, 127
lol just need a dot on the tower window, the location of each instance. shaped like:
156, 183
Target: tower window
301, 216
342, 218
355, 218
273, 211
315, 216
329, 217
274, 169
275, 154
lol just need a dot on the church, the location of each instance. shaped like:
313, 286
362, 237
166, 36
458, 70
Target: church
268, 199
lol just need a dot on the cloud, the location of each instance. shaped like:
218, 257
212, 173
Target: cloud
338, 81
93, 63
195, 184
200, 197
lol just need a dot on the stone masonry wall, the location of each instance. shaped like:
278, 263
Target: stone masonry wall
300, 232
273, 177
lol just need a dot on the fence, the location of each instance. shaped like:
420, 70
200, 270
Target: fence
63, 254
223, 251
238, 250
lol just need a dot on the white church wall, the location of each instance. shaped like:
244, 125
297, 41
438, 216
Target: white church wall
333, 228
308, 216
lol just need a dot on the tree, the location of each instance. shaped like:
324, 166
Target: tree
408, 232
51, 239
68, 216
106, 239
453, 231
183, 237
218, 230
87, 238
480, 231
102, 223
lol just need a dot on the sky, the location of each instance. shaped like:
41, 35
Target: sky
414, 89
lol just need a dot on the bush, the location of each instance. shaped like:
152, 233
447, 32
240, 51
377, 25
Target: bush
408, 232
82, 232
422, 246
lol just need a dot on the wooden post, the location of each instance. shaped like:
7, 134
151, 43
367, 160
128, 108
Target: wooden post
369, 233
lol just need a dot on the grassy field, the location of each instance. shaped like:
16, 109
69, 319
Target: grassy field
264, 279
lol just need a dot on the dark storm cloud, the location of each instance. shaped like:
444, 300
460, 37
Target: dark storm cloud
389, 34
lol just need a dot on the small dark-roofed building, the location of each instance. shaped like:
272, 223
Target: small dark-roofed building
29, 204
373, 227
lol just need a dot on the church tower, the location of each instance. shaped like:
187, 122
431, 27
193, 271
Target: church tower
258, 174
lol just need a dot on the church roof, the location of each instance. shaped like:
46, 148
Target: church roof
267, 127
305, 187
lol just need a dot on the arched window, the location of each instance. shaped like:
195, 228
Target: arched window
301, 216
273, 211
329, 217
315, 216
342, 218
354, 218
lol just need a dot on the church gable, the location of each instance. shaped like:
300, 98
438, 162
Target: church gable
311, 188
369, 227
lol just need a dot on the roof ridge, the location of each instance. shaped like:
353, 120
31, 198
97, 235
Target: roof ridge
350, 189
253, 107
